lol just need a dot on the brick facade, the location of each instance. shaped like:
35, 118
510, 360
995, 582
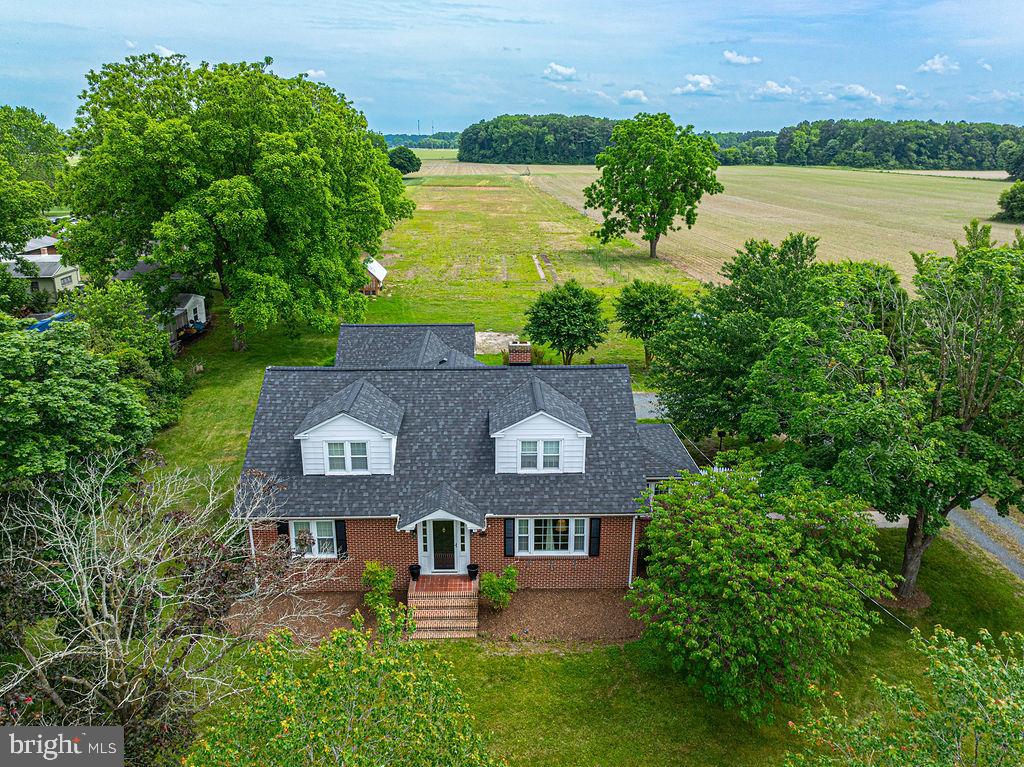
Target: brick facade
377, 539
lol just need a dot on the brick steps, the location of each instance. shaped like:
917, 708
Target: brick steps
444, 608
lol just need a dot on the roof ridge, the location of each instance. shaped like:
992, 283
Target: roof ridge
538, 393
332, 368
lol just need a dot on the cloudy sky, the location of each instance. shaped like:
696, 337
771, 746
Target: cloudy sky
720, 65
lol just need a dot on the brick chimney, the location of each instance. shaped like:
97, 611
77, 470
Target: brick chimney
519, 353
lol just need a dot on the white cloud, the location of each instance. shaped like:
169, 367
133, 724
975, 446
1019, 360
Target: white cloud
984, 65
130, 43
940, 64
163, 50
997, 97
772, 89
732, 57
857, 92
559, 72
696, 84
633, 96
315, 74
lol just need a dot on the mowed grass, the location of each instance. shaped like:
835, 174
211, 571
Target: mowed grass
860, 215
436, 154
623, 706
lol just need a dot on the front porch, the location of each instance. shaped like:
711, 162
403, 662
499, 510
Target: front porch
444, 606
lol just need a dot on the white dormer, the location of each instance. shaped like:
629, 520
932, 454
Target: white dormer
353, 432
538, 430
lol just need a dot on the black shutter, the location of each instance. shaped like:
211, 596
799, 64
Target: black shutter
282, 528
341, 537
510, 537
595, 536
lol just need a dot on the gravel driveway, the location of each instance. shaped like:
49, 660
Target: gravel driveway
647, 405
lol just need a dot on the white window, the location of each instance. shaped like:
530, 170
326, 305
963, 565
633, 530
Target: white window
423, 537
551, 535
347, 458
314, 538
195, 313
540, 455
65, 282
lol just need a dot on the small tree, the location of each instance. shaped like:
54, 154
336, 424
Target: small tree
971, 716
1012, 203
379, 580
360, 699
567, 318
652, 172
404, 160
645, 309
754, 597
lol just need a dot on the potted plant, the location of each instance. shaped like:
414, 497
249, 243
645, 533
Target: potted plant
473, 570
414, 572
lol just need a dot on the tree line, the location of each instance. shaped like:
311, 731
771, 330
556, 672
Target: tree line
551, 139
438, 140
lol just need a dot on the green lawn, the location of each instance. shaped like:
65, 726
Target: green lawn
437, 154
624, 706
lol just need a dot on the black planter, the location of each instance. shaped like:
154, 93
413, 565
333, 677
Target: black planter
414, 572
472, 571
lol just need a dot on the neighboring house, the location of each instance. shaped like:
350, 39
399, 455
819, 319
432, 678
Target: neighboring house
410, 451
53, 275
377, 274
188, 310
41, 246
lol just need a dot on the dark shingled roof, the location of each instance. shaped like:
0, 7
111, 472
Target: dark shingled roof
429, 351
372, 347
362, 401
537, 396
665, 454
444, 438
444, 497
48, 265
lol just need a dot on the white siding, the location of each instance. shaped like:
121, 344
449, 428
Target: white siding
380, 449
540, 427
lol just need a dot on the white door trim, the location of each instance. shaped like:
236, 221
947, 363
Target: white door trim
425, 547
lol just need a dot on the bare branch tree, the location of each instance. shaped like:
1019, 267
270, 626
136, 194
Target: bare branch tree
150, 590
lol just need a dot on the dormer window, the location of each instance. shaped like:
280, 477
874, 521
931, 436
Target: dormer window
540, 455
347, 458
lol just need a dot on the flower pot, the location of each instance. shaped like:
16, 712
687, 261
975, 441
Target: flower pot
414, 572
472, 570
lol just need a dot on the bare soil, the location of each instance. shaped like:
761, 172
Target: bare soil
918, 600
490, 342
586, 615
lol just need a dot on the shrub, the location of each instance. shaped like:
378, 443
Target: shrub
1012, 203
379, 579
498, 589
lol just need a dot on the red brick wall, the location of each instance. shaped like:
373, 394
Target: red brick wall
378, 539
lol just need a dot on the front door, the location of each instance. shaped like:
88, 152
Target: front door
444, 544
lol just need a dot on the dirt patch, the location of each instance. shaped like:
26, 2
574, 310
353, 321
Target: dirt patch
918, 600
570, 615
333, 610
491, 342
550, 266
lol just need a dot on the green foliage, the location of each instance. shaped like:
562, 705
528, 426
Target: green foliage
122, 331
703, 358
973, 713
31, 144
269, 189
549, 139
747, 148
14, 291
1011, 157
645, 309
438, 140
404, 160
652, 172
567, 318
379, 580
360, 699
60, 401
752, 595
21, 210
498, 589
1012, 203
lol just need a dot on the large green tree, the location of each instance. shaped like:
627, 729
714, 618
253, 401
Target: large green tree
1011, 203
31, 144
269, 187
567, 318
404, 160
645, 309
754, 595
652, 172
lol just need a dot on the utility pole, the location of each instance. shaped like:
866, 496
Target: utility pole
417, 126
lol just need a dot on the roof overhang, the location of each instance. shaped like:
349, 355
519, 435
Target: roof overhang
439, 514
305, 434
579, 432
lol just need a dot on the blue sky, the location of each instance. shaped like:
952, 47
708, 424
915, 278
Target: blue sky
720, 65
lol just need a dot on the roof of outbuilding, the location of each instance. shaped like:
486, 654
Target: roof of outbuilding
46, 241
376, 268
666, 456
445, 439
360, 400
443, 497
537, 396
371, 347
429, 351
49, 265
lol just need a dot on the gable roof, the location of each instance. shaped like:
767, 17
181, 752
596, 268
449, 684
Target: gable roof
46, 241
444, 438
49, 265
360, 400
532, 397
665, 454
371, 347
429, 351
375, 268
445, 498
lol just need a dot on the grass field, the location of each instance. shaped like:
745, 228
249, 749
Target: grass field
857, 214
437, 154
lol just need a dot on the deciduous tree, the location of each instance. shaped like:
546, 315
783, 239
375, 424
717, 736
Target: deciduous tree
645, 309
1011, 203
404, 160
31, 144
567, 318
752, 595
652, 172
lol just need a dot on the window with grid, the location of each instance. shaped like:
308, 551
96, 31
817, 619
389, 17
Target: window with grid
314, 538
551, 535
344, 457
552, 454
65, 281
528, 454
